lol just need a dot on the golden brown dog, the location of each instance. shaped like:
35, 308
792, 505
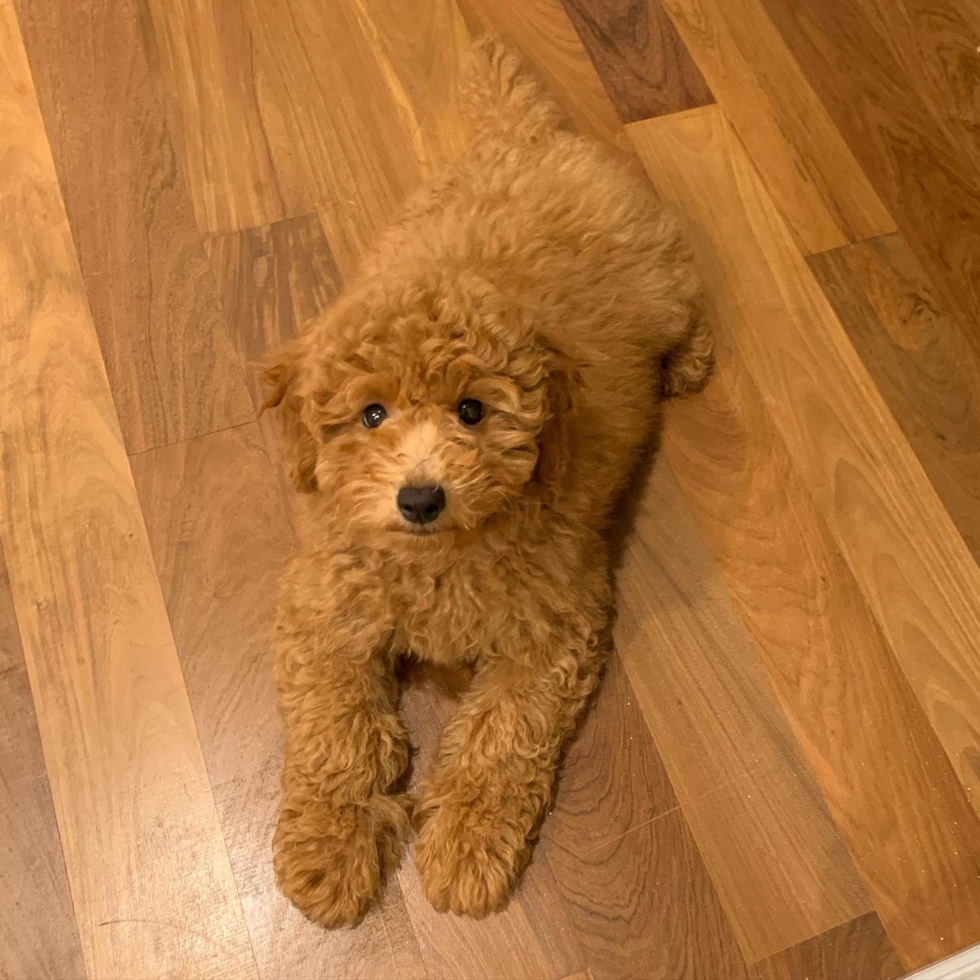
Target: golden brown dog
463, 419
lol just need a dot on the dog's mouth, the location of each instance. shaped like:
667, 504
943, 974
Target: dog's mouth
422, 530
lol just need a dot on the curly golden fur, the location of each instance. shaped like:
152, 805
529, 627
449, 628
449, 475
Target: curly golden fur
542, 279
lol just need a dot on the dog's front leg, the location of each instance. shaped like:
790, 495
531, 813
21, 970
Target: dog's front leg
345, 747
493, 774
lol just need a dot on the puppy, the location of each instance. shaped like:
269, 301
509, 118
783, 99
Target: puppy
463, 419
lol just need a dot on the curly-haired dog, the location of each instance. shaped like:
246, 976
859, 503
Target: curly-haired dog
463, 419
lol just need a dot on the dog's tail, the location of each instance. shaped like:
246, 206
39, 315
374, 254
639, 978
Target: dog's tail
501, 96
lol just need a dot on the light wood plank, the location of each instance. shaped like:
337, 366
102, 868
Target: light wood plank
644, 65
919, 360
201, 53
167, 352
856, 55
871, 748
38, 937
419, 50
336, 135
906, 555
807, 166
777, 860
148, 871
856, 949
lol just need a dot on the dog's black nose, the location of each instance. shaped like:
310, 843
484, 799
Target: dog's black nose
421, 504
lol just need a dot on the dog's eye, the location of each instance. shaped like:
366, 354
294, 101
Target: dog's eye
374, 415
470, 411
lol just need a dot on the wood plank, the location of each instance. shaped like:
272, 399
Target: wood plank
907, 557
336, 135
201, 54
38, 937
128, 783
171, 365
859, 948
777, 860
644, 906
872, 750
272, 281
809, 170
888, 116
644, 65
637, 892
919, 360
419, 50
544, 33
219, 533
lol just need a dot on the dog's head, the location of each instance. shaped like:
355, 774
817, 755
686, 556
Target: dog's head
423, 407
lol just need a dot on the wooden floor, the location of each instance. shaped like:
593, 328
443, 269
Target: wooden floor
781, 778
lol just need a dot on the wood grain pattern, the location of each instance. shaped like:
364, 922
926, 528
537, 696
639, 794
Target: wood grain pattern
856, 949
753, 807
644, 65
904, 552
127, 778
888, 114
419, 50
809, 170
219, 533
272, 281
543, 30
172, 369
202, 56
336, 135
38, 938
919, 360
871, 749
637, 892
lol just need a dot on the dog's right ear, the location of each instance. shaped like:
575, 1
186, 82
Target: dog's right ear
282, 375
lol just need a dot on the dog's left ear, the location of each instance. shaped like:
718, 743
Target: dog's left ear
563, 385
282, 375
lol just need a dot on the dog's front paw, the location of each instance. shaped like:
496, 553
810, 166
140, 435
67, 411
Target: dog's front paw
330, 857
468, 858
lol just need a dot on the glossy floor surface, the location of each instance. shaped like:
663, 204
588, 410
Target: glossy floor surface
781, 777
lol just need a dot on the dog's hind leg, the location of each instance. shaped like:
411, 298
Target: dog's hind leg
345, 747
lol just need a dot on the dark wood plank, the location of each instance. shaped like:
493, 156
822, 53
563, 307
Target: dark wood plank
920, 362
272, 281
638, 895
171, 366
859, 949
644, 65
857, 59
38, 937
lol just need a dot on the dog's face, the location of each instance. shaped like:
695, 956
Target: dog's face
422, 408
